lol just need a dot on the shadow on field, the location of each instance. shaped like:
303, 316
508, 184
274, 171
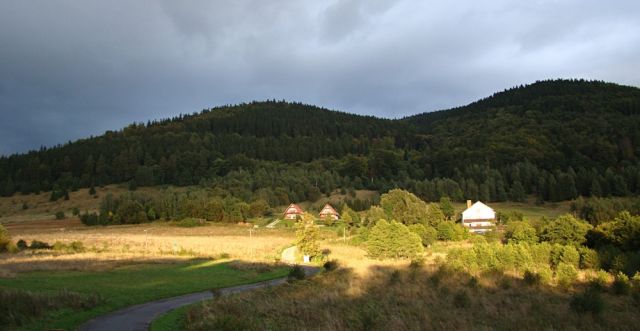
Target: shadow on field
411, 298
33, 299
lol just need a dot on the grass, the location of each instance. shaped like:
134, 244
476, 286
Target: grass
173, 320
130, 285
407, 298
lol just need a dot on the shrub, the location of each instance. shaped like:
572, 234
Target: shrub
621, 284
520, 231
427, 234
462, 300
546, 275
449, 231
190, 223
600, 281
59, 215
75, 211
567, 274
36, 244
394, 278
565, 230
73, 247
21, 244
589, 301
393, 240
331, 265
588, 258
532, 278
5, 239
297, 273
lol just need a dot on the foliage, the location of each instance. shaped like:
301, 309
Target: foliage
565, 229
190, 222
546, 139
404, 206
331, 265
449, 231
393, 240
520, 231
621, 284
531, 277
427, 234
307, 236
36, 244
18, 307
297, 273
589, 301
73, 247
566, 274
59, 215
447, 208
22, 245
5, 238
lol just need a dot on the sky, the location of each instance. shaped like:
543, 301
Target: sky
71, 69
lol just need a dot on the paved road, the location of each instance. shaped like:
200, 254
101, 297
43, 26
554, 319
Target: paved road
139, 317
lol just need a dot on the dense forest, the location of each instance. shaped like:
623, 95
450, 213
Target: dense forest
556, 140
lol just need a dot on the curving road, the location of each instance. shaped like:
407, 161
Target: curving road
139, 317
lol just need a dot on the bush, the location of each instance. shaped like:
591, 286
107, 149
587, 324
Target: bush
5, 239
393, 240
297, 273
427, 234
621, 284
600, 281
449, 231
73, 247
331, 265
36, 244
589, 301
567, 274
190, 223
532, 278
60, 215
22, 245
462, 300
394, 278
75, 211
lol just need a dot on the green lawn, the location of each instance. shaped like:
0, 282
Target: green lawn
131, 285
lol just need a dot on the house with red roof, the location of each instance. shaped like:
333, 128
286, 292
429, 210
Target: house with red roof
292, 212
329, 212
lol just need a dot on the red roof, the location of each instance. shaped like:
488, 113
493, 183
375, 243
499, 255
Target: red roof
293, 209
328, 210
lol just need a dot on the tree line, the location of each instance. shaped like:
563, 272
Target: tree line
555, 139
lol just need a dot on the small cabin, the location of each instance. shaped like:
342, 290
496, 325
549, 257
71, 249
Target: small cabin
329, 212
478, 218
292, 212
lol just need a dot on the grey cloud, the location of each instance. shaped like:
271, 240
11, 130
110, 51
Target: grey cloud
69, 69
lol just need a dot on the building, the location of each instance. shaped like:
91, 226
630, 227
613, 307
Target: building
292, 212
478, 218
328, 211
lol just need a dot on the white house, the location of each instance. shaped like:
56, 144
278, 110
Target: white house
479, 218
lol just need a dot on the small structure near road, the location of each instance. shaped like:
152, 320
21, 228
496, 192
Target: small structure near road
478, 218
329, 212
292, 212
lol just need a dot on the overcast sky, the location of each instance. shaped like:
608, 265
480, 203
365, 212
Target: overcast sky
69, 69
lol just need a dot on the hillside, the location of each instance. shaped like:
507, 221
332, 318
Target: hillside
555, 139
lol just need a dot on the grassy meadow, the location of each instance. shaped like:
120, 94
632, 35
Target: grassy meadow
133, 284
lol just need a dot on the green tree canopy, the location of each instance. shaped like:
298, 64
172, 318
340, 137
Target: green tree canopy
393, 240
565, 230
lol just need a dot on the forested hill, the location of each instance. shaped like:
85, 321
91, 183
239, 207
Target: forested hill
555, 139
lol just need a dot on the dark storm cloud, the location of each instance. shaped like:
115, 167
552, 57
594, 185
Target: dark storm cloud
69, 69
